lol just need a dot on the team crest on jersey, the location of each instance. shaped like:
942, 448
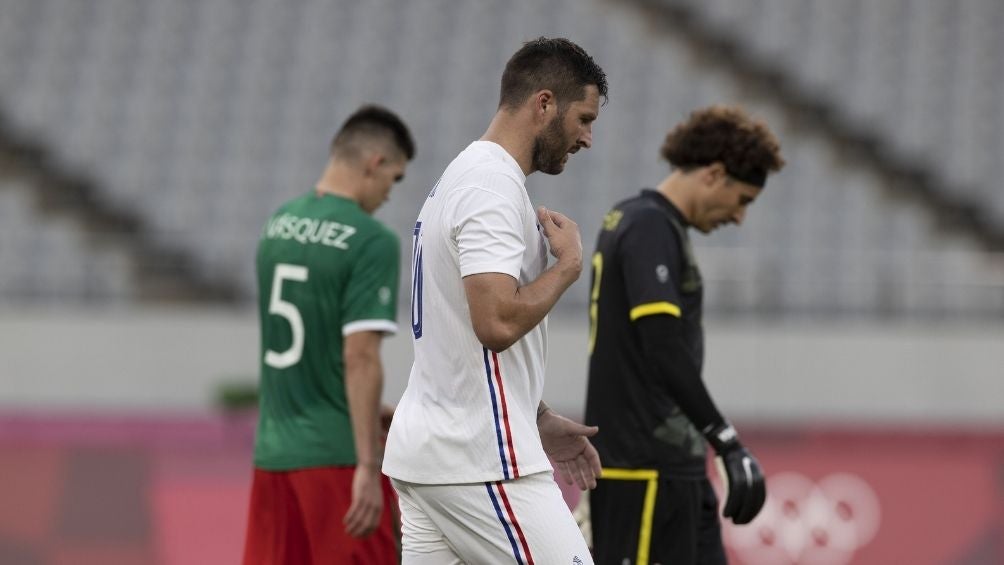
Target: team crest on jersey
662, 273
384, 295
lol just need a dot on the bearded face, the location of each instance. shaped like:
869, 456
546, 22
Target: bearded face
567, 132
552, 146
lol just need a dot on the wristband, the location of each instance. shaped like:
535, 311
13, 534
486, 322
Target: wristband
722, 437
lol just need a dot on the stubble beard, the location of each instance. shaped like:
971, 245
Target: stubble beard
549, 148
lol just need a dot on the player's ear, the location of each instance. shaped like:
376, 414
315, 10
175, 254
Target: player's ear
372, 161
544, 104
714, 173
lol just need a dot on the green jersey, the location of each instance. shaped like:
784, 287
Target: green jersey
325, 269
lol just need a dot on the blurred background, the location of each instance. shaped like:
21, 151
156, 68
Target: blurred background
855, 322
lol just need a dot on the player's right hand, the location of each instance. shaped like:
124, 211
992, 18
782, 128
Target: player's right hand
562, 236
367, 502
741, 474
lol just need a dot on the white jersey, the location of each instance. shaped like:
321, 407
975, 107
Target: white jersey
469, 414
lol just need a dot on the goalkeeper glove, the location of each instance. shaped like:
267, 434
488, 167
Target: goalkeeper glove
742, 476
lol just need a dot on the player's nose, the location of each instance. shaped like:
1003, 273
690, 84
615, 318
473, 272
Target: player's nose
739, 216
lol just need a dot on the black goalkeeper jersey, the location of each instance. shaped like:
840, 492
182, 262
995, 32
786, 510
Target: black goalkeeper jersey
643, 266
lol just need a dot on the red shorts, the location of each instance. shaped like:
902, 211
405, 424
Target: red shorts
296, 518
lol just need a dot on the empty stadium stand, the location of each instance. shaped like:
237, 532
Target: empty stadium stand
198, 117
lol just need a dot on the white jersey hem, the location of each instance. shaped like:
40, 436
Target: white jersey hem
385, 326
482, 268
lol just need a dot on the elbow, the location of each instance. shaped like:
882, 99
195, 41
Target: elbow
496, 337
498, 345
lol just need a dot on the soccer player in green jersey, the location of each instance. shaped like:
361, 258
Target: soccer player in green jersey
327, 280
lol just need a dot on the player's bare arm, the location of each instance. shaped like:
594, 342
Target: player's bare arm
363, 387
502, 312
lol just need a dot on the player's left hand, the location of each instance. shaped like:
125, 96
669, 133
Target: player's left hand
566, 443
367, 502
742, 476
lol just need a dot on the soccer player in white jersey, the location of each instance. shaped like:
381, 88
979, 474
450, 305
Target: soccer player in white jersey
469, 445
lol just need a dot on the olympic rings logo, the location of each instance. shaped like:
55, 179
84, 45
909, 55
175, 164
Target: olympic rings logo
809, 523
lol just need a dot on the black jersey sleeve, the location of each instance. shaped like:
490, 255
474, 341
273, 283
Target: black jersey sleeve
652, 265
649, 251
677, 373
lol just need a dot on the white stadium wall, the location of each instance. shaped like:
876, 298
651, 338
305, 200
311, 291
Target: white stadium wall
173, 360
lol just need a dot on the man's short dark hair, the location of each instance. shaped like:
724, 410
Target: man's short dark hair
372, 121
726, 134
556, 64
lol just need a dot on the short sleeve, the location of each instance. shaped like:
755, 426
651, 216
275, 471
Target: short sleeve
650, 263
488, 230
370, 299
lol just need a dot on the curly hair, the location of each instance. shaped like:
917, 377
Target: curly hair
726, 134
553, 63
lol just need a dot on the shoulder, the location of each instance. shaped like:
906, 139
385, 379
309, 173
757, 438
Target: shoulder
487, 192
373, 232
351, 229
490, 178
371, 226
638, 216
485, 166
286, 207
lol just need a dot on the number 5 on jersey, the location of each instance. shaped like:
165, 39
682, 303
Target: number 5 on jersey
288, 310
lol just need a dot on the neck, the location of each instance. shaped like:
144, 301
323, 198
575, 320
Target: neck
508, 129
676, 189
340, 180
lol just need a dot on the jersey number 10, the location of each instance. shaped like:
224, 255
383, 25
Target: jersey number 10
416, 281
594, 296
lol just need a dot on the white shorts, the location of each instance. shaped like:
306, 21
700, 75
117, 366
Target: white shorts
523, 521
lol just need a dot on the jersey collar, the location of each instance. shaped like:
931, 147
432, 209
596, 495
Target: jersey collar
664, 202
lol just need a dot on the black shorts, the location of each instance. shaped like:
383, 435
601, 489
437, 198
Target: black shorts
640, 518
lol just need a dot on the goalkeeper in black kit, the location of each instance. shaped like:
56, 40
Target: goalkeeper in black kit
654, 503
